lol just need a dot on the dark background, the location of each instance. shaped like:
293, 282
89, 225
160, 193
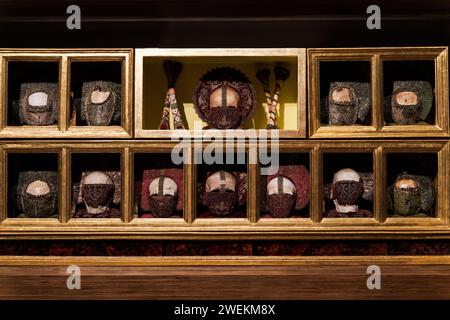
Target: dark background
232, 23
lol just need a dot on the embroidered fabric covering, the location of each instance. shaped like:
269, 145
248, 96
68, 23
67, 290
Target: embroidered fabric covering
115, 177
298, 175
97, 195
347, 103
149, 175
407, 198
37, 194
411, 101
101, 103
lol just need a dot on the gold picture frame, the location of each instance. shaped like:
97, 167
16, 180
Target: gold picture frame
375, 57
147, 66
253, 227
65, 58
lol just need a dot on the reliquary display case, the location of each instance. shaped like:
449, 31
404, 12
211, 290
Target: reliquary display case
381, 169
51, 93
258, 77
378, 92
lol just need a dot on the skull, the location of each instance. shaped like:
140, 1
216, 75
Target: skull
38, 103
346, 190
224, 112
163, 193
221, 193
407, 196
407, 101
224, 96
101, 103
281, 196
347, 102
38, 193
97, 192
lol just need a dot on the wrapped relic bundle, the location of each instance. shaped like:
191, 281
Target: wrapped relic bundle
286, 191
411, 195
100, 104
410, 102
348, 189
172, 70
223, 193
281, 75
224, 98
100, 193
37, 194
38, 104
347, 103
162, 193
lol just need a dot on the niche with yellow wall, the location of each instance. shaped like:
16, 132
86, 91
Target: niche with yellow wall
151, 87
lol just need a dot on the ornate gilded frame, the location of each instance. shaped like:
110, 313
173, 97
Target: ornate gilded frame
141, 54
253, 227
376, 56
65, 57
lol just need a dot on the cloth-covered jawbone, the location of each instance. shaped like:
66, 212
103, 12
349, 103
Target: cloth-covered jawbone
346, 190
38, 103
101, 103
221, 193
38, 193
348, 102
97, 192
163, 196
281, 197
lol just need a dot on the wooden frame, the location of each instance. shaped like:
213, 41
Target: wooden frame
256, 55
225, 277
65, 57
376, 57
314, 227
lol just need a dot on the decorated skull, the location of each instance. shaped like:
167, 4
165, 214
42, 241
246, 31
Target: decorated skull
224, 98
410, 101
281, 196
38, 193
163, 193
411, 194
97, 190
346, 190
221, 194
38, 104
224, 112
101, 103
348, 102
